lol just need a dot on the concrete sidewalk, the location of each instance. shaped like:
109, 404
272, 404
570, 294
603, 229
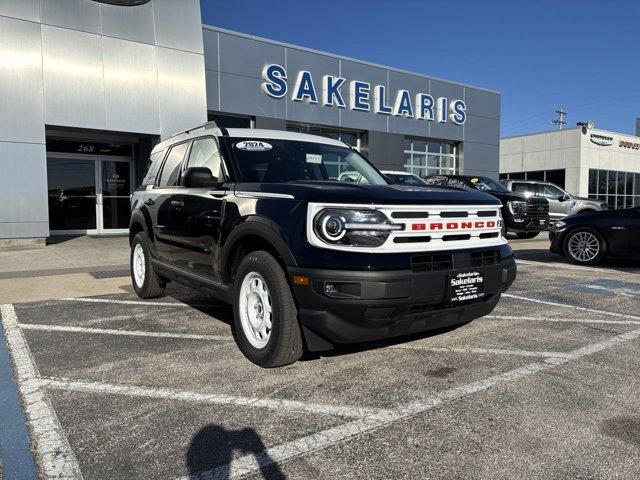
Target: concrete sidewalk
66, 255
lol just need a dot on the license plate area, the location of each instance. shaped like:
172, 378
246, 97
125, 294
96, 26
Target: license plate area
465, 286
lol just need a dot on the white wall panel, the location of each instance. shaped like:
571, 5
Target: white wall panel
24, 9
181, 88
21, 101
129, 23
178, 24
73, 78
131, 86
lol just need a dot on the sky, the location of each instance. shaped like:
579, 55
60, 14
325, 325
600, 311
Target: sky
540, 54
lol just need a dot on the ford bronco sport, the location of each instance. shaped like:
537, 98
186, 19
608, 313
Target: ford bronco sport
259, 219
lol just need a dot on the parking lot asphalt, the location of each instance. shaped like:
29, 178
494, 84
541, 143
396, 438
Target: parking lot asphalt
547, 386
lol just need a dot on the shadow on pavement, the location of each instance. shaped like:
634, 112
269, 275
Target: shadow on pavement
545, 256
212, 449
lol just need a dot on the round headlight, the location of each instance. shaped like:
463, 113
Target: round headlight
332, 227
357, 228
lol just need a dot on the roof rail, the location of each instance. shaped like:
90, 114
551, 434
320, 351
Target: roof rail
209, 124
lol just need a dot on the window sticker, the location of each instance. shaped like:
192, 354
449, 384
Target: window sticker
253, 146
314, 158
475, 180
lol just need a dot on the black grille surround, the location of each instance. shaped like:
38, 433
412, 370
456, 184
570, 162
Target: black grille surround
537, 206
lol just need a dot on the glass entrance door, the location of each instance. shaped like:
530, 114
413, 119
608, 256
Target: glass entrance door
114, 194
72, 194
88, 193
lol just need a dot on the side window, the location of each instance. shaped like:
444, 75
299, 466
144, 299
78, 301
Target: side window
549, 191
171, 169
205, 153
525, 188
152, 168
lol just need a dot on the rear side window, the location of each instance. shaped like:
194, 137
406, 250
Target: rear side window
205, 153
152, 169
171, 169
525, 188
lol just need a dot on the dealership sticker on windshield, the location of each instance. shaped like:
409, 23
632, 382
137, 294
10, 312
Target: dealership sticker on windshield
253, 146
314, 158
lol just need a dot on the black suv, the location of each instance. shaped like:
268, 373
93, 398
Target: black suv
259, 219
524, 216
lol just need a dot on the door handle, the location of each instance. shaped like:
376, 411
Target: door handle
149, 202
618, 228
177, 203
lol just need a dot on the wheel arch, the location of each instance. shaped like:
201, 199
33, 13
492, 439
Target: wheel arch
255, 233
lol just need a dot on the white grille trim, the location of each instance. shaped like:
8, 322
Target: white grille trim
434, 217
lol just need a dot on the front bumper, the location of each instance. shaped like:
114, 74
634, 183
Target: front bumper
557, 239
529, 224
382, 304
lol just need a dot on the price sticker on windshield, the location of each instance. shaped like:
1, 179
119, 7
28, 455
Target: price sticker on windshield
314, 158
254, 146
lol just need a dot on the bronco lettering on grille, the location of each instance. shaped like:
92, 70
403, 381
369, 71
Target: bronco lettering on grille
453, 225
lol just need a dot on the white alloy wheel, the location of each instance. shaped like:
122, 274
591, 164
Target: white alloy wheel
138, 265
583, 246
255, 310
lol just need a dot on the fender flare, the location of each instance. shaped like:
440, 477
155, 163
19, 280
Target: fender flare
144, 220
261, 227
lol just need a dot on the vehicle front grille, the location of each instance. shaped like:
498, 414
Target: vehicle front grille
431, 263
537, 206
483, 258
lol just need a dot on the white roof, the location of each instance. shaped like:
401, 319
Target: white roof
282, 135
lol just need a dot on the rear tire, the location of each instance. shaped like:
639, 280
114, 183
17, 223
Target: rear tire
527, 235
265, 316
145, 281
585, 246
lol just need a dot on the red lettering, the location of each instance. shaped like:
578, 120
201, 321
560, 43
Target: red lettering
491, 224
466, 225
479, 224
419, 226
436, 226
452, 226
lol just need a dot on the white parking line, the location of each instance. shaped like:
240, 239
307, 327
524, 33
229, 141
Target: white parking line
326, 438
568, 266
564, 320
132, 333
484, 351
210, 398
130, 302
55, 455
574, 307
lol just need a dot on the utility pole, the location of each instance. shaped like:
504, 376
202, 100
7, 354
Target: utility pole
559, 122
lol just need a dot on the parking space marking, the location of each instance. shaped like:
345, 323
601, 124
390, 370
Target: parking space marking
131, 302
132, 333
54, 452
172, 394
484, 351
564, 320
569, 266
329, 437
574, 307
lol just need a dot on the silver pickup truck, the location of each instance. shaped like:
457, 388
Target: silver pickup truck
561, 203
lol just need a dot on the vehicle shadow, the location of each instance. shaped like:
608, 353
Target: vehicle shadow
542, 256
211, 452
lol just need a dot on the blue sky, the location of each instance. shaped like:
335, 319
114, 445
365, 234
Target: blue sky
582, 55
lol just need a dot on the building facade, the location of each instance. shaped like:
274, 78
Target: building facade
89, 88
585, 162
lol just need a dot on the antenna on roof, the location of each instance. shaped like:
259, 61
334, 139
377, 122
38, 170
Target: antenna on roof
560, 122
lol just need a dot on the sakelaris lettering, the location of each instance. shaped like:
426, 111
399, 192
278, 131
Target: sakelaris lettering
362, 96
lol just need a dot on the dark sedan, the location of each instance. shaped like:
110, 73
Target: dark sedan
589, 238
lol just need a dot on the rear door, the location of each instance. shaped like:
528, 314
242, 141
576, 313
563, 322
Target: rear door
196, 213
158, 200
632, 225
558, 208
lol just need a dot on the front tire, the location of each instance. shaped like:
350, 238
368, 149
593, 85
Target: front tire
265, 316
145, 281
585, 246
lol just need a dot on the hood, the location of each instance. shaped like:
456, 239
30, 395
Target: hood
342, 192
588, 200
593, 216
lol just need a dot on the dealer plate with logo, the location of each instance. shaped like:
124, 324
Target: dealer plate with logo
465, 286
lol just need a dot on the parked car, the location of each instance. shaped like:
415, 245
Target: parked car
404, 178
591, 237
526, 217
253, 218
561, 203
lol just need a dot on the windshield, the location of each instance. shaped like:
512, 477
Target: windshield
279, 161
408, 179
486, 184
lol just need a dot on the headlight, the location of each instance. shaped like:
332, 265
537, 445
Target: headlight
359, 228
559, 225
517, 207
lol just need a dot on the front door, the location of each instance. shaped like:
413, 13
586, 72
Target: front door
113, 196
558, 206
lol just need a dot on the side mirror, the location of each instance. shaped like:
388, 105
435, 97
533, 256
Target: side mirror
197, 177
564, 197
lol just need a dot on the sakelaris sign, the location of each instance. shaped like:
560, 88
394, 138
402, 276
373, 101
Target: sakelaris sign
362, 96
